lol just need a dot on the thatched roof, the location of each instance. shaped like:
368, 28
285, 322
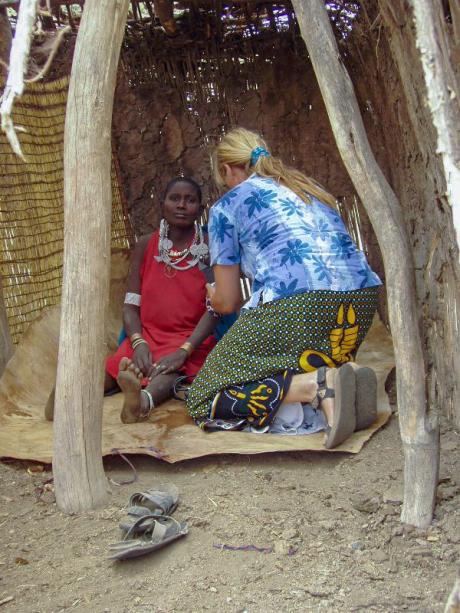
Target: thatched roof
199, 20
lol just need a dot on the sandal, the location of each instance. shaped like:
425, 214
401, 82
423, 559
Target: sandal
366, 396
162, 500
343, 392
161, 531
181, 387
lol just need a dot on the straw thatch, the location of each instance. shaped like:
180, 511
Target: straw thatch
31, 206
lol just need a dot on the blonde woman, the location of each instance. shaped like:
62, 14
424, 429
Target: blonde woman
313, 299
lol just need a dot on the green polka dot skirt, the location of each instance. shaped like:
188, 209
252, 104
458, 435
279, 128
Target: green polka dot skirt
302, 332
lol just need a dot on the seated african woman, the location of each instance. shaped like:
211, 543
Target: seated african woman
313, 300
169, 329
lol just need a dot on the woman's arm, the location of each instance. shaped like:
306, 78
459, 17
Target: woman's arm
172, 362
225, 295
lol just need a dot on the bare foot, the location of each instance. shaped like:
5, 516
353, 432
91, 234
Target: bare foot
129, 379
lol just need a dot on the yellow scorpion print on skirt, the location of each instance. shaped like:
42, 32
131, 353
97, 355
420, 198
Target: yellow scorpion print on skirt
343, 342
255, 399
299, 333
256, 403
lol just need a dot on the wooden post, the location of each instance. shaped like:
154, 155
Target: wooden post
453, 602
6, 345
442, 94
80, 483
419, 431
19, 58
5, 42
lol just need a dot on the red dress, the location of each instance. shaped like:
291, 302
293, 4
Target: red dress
171, 307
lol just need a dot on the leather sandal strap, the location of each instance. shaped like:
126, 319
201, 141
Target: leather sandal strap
323, 391
159, 530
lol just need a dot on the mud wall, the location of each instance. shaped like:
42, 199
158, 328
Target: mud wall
155, 138
386, 71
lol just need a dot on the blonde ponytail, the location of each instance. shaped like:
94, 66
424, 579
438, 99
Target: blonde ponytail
236, 149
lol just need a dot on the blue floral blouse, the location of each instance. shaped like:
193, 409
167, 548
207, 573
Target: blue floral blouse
284, 245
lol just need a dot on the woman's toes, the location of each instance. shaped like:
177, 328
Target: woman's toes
124, 364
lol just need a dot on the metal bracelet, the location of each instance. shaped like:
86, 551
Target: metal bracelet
151, 404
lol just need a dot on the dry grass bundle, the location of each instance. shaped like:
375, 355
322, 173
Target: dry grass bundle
31, 206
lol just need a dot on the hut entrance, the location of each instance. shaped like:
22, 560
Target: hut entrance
234, 72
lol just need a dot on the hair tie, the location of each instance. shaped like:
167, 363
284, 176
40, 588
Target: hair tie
257, 153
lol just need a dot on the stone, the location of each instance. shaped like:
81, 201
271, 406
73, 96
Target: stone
365, 504
394, 494
290, 533
421, 552
454, 538
282, 548
358, 546
328, 524
318, 592
198, 522
447, 492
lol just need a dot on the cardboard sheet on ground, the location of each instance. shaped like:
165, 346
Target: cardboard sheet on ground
170, 435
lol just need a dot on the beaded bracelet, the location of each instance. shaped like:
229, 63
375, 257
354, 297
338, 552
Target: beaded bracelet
137, 342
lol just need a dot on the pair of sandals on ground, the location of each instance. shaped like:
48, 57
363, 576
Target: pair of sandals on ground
149, 525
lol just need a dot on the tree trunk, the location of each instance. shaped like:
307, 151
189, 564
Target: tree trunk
19, 58
6, 345
5, 42
453, 602
78, 471
443, 96
419, 432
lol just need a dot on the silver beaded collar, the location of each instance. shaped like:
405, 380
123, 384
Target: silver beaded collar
198, 250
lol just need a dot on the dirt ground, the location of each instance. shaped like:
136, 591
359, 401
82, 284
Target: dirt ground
328, 526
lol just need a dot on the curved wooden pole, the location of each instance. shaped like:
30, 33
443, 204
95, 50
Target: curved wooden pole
6, 345
79, 478
442, 96
419, 430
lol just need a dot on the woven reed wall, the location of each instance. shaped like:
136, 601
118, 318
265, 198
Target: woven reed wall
31, 206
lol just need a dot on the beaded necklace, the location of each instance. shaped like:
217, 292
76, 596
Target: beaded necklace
174, 260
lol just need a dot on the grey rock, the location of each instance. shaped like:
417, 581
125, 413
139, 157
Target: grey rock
394, 494
282, 548
421, 552
447, 492
290, 533
318, 592
365, 504
328, 524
